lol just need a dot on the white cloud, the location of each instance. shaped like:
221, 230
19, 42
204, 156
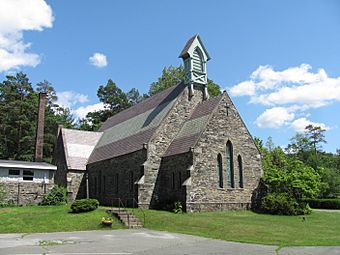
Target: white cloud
300, 124
98, 60
246, 88
17, 16
70, 98
274, 118
83, 110
290, 92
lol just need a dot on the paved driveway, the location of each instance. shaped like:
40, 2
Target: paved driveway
142, 241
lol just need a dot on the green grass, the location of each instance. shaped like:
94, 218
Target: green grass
319, 228
34, 219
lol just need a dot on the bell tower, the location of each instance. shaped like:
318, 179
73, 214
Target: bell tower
195, 58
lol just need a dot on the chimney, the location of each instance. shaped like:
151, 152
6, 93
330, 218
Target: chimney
39, 141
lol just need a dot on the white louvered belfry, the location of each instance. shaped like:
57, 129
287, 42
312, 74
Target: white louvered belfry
195, 58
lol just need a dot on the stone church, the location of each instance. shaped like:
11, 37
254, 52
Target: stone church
178, 145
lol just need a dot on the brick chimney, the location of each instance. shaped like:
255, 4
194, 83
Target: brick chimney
39, 141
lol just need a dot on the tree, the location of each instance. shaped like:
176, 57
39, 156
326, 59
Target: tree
315, 136
172, 76
270, 144
289, 183
47, 88
114, 99
134, 97
18, 107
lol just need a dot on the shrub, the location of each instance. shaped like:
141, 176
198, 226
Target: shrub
178, 207
56, 196
283, 204
84, 205
325, 203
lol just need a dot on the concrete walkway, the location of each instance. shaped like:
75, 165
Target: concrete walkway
141, 241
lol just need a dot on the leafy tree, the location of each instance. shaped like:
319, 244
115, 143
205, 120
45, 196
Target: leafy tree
172, 76
315, 136
18, 107
114, 99
270, 144
289, 183
47, 88
134, 97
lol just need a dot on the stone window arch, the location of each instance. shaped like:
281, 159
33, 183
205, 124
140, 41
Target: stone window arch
220, 170
240, 171
230, 165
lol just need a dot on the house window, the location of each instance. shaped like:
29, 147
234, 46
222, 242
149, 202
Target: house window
28, 175
220, 171
240, 171
14, 172
130, 180
230, 165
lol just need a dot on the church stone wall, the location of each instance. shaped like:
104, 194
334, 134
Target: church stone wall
172, 174
204, 193
169, 128
115, 178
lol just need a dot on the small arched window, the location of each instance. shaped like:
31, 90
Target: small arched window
220, 171
230, 165
197, 60
240, 171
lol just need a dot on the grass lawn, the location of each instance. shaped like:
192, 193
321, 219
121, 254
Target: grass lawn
319, 228
33, 219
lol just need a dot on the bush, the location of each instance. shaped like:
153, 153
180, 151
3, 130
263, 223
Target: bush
325, 203
56, 196
84, 205
283, 204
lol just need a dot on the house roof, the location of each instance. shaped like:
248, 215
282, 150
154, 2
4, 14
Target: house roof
27, 165
127, 131
78, 146
190, 42
193, 127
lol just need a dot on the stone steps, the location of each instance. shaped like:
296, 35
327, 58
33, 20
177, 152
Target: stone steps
126, 217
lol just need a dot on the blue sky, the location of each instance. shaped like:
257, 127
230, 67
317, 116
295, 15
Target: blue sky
279, 60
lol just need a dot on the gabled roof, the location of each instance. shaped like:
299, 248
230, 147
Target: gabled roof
190, 43
27, 165
193, 127
127, 131
78, 146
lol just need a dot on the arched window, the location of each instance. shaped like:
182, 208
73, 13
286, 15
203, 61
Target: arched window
197, 60
230, 165
220, 171
240, 171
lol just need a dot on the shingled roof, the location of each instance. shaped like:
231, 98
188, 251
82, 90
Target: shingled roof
78, 146
193, 127
127, 131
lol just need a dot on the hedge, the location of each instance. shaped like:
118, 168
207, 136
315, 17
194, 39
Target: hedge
84, 205
324, 203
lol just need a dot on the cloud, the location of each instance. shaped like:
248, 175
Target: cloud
291, 92
98, 60
70, 98
274, 118
83, 110
300, 124
246, 88
17, 16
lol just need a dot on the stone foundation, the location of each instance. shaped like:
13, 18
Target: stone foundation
26, 193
